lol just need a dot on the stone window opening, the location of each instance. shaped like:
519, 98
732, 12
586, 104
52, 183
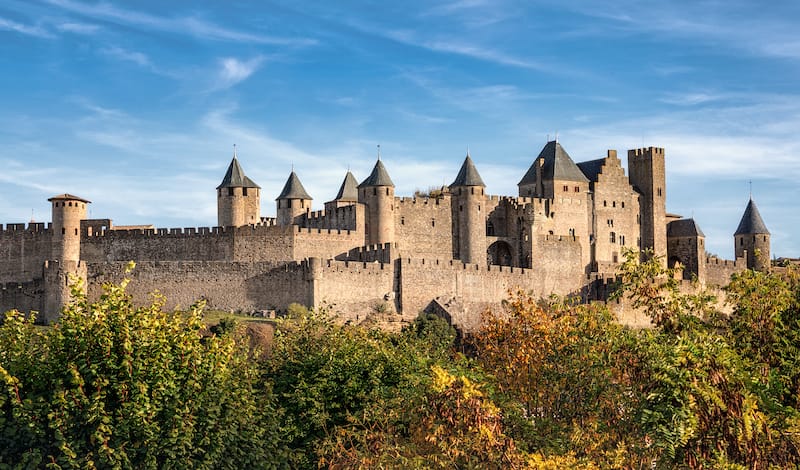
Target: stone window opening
244, 191
577, 189
402, 220
433, 222
622, 240
374, 191
387, 191
610, 222
623, 204
230, 191
63, 231
612, 237
566, 188
489, 229
659, 191
605, 203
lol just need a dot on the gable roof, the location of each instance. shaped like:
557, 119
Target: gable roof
751, 222
235, 177
468, 175
293, 189
378, 177
68, 197
348, 191
592, 168
558, 165
684, 228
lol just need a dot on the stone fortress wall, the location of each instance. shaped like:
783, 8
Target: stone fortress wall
371, 254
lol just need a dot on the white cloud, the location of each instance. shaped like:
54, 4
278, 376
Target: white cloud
78, 28
136, 57
235, 70
35, 31
189, 25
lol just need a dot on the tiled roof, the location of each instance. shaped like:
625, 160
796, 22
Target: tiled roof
751, 222
468, 175
293, 189
684, 228
349, 190
557, 166
378, 177
68, 197
592, 168
235, 177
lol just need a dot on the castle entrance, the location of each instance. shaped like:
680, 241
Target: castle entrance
499, 253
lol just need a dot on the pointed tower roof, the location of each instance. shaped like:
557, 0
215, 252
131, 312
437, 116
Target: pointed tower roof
557, 166
468, 175
348, 191
378, 177
235, 177
293, 189
751, 222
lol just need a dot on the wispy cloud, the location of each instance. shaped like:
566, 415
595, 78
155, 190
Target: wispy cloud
190, 25
234, 70
135, 57
29, 30
689, 99
78, 28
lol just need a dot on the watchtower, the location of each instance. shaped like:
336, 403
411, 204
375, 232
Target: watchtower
238, 198
648, 177
469, 208
67, 213
293, 202
377, 194
752, 237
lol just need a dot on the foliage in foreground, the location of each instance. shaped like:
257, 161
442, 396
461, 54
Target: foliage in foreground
118, 386
548, 385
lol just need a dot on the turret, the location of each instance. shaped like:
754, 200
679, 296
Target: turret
686, 245
377, 194
648, 177
68, 211
553, 172
64, 262
294, 202
238, 198
752, 239
469, 209
347, 195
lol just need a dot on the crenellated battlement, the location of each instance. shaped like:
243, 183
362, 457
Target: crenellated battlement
335, 266
324, 231
17, 229
717, 261
423, 201
456, 265
371, 253
163, 232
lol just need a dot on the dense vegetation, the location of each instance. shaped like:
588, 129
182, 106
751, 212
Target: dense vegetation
542, 385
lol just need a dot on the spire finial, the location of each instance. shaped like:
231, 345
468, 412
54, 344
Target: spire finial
556, 136
234, 150
379, 152
292, 167
751, 189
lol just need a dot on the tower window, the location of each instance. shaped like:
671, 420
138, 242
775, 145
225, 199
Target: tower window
623, 204
614, 204
622, 240
433, 222
605, 203
230, 191
610, 222
63, 231
244, 191
566, 188
374, 191
402, 220
612, 237
659, 191
577, 189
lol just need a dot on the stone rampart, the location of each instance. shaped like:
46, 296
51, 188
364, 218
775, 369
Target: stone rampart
719, 271
381, 253
354, 291
23, 249
424, 227
224, 285
25, 296
158, 244
324, 243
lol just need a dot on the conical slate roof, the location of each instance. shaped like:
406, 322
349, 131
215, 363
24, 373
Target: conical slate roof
751, 222
293, 189
468, 175
684, 228
378, 177
348, 192
235, 177
557, 166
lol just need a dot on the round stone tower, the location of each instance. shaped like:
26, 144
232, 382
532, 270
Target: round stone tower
377, 194
67, 212
752, 239
469, 209
238, 198
64, 263
293, 202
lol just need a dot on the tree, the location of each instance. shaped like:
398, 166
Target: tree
113, 385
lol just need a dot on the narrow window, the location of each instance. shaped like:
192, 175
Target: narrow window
612, 237
566, 188
230, 191
374, 191
244, 191
622, 240
577, 189
623, 204
76, 231
402, 220
433, 222
659, 191
387, 190
614, 204
605, 203
63, 231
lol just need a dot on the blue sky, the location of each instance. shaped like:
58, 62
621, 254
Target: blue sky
136, 105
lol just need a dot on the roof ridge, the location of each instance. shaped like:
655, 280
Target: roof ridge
293, 189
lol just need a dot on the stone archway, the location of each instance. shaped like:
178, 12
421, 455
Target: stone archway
499, 253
